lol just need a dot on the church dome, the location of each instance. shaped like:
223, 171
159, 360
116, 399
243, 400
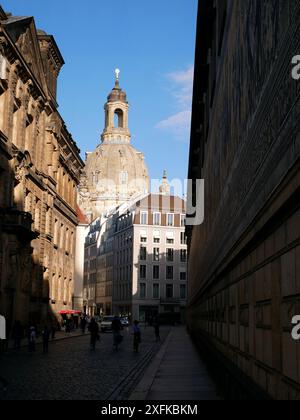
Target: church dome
115, 172
120, 164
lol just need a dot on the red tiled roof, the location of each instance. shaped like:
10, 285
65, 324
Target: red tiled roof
81, 217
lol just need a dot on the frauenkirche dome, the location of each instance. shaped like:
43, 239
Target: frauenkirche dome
115, 172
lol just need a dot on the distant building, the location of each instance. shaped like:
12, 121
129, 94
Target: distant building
150, 260
244, 260
115, 173
98, 265
40, 168
136, 260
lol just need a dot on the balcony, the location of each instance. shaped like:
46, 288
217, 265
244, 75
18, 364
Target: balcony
18, 223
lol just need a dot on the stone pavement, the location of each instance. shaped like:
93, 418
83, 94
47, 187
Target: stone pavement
71, 371
177, 373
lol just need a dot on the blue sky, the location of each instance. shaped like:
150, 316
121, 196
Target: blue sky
153, 44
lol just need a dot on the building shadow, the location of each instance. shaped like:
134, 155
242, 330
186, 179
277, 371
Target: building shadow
24, 287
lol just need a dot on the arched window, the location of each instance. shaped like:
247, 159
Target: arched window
119, 119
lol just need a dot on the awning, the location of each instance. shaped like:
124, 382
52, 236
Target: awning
69, 312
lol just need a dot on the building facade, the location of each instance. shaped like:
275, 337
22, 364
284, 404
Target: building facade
150, 259
40, 168
115, 172
244, 259
98, 265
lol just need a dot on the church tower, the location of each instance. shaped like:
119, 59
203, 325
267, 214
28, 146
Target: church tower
116, 116
165, 188
115, 173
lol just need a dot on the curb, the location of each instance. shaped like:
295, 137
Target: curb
142, 390
24, 346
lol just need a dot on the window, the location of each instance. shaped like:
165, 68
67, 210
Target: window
143, 253
156, 291
156, 254
93, 252
143, 271
182, 220
156, 236
170, 238
93, 264
156, 272
170, 255
169, 291
170, 220
143, 291
183, 255
170, 272
144, 218
183, 276
183, 238
156, 219
182, 291
143, 237
118, 119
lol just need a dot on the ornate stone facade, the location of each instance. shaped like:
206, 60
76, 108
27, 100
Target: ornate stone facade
243, 268
115, 172
39, 172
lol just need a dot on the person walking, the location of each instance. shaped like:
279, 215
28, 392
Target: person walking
17, 335
137, 336
46, 337
94, 331
116, 327
83, 323
32, 339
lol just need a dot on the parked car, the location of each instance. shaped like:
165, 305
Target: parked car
106, 324
124, 322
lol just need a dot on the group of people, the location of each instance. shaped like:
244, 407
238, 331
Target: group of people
19, 333
116, 327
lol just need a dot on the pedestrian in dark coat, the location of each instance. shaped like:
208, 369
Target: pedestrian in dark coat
83, 323
32, 339
137, 336
94, 330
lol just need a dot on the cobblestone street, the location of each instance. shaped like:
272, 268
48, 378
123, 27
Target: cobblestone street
72, 372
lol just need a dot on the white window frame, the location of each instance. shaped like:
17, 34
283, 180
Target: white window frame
173, 219
181, 216
159, 215
141, 218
